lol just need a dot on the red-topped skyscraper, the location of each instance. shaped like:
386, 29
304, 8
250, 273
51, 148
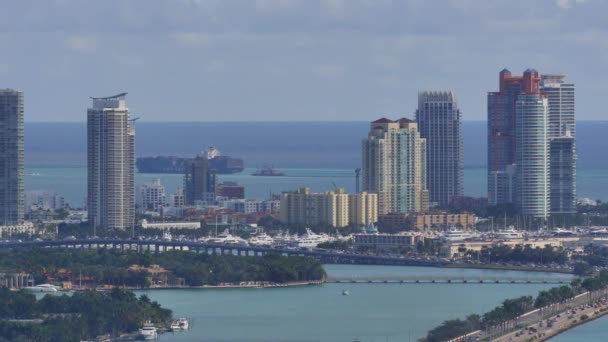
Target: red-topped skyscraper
518, 144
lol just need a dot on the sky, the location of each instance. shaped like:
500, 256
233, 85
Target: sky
292, 60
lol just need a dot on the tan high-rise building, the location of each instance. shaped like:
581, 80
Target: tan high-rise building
394, 166
363, 208
304, 207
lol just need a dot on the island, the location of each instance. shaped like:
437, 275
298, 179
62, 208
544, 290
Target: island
84, 315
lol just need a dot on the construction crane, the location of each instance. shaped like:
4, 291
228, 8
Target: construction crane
357, 176
335, 186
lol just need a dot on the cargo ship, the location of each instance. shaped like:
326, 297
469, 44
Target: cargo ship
268, 171
170, 164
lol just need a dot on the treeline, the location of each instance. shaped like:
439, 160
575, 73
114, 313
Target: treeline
504, 316
203, 269
82, 316
521, 254
105, 266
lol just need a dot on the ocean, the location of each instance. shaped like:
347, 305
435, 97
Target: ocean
314, 154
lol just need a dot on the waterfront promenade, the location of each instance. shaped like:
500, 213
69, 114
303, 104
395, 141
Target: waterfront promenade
544, 323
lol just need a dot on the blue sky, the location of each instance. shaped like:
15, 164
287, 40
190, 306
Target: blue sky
292, 60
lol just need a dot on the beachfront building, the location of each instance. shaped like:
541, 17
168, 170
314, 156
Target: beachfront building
532, 156
438, 119
12, 198
561, 132
110, 163
394, 166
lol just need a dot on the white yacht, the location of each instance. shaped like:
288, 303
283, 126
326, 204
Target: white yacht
261, 240
508, 234
563, 232
148, 331
167, 236
310, 240
284, 239
226, 238
457, 235
601, 231
180, 324
41, 288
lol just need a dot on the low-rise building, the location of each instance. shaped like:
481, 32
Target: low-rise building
169, 225
20, 228
453, 248
387, 241
442, 220
230, 190
151, 196
16, 280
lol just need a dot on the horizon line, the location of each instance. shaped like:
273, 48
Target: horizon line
266, 121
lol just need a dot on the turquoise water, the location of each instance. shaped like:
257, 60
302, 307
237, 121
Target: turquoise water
593, 331
70, 182
379, 312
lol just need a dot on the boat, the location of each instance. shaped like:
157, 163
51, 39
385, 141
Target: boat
598, 231
148, 331
180, 324
261, 240
345, 293
508, 234
170, 164
41, 288
563, 232
455, 234
309, 240
167, 236
268, 171
174, 326
226, 238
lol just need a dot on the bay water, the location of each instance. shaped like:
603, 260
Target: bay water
371, 312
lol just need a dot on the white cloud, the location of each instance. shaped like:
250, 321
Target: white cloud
82, 43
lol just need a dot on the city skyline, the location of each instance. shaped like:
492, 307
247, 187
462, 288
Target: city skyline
289, 60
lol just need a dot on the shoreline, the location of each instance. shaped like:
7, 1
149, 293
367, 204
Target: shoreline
497, 267
260, 285
576, 325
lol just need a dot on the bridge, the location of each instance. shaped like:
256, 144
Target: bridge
438, 279
158, 246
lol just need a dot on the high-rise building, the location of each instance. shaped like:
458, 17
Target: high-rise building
502, 132
563, 175
562, 141
110, 163
12, 196
438, 120
514, 138
199, 181
304, 207
532, 156
363, 208
394, 166
151, 196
